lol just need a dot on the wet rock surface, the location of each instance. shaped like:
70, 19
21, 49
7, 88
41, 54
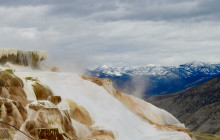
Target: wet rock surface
79, 113
42, 92
49, 134
54, 99
12, 112
139, 107
41, 119
48, 116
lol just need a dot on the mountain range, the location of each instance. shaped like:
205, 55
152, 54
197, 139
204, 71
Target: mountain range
191, 91
157, 80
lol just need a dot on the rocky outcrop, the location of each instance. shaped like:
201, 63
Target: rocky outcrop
100, 134
12, 112
49, 134
54, 99
42, 119
42, 92
22, 57
47, 116
12, 103
79, 113
54, 69
8, 79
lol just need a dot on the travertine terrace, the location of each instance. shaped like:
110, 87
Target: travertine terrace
22, 57
48, 104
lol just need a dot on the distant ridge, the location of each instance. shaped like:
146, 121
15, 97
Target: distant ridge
158, 79
183, 70
198, 107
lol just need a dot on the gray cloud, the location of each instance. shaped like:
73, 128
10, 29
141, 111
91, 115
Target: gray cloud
128, 9
117, 32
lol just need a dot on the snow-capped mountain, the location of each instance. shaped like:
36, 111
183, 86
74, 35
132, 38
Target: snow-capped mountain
160, 79
184, 70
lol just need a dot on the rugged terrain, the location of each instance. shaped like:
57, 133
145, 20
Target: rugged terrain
40, 103
197, 107
155, 80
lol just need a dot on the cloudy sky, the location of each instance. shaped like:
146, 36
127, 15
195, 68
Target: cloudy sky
114, 32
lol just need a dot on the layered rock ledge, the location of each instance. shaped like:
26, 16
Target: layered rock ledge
22, 57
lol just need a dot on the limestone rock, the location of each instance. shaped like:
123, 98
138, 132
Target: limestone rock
22, 57
5, 133
49, 134
37, 105
10, 80
100, 134
54, 99
14, 93
79, 113
42, 92
12, 112
46, 115
54, 69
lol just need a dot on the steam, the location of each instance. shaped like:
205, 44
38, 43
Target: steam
68, 61
62, 61
136, 86
66, 65
140, 86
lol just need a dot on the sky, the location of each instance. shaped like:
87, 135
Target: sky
114, 32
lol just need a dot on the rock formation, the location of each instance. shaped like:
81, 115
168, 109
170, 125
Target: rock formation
55, 105
22, 57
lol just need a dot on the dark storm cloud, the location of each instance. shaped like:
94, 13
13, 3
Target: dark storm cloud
128, 9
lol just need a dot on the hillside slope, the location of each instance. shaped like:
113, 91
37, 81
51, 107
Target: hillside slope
198, 107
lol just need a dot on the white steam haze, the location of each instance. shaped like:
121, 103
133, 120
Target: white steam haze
118, 32
140, 87
66, 65
137, 87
